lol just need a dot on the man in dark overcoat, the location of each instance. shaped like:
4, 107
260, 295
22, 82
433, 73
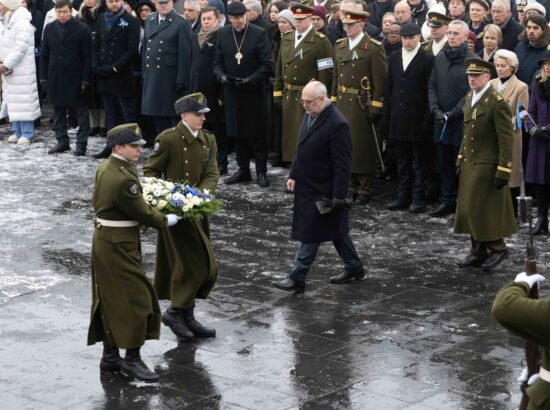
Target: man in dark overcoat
65, 71
243, 64
484, 208
186, 268
319, 178
167, 53
125, 310
115, 47
407, 116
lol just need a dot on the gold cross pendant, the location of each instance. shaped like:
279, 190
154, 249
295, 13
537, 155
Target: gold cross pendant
238, 56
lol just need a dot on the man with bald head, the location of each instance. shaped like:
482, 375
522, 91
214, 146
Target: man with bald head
319, 178
402, 11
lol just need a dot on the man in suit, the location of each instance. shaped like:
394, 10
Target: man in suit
319, 178
186, 268
115, 47
485, 208
242, 65
167, 62
65, 72
407, 115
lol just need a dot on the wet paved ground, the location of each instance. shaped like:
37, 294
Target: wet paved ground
416, 334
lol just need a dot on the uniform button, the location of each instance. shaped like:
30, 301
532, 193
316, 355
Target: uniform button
341, 75
158, 58
148, 49
187, 174
147, 56
342, 64
295, 66
187, 162
185, 149
472, 150
472, 138
352, 76
353, 65
160, 50
295, 78
150, 40
160, 41
158, 66
147, 65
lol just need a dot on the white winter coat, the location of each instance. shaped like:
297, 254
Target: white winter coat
19, 90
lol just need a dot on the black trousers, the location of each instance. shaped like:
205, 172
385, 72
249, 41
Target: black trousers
412, 167
118, 110
218, 128
247, 148
60, 124
163, 123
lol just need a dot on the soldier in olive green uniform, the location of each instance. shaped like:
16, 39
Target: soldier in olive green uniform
125, 310
438, 24
357, 89
484, 206
529, 319
186, 268
300, 60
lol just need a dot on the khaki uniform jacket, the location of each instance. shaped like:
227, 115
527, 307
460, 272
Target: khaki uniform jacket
295, 67
125, 308
428, 46
357, 89
527, 318
484, 211
515, 91
186, 267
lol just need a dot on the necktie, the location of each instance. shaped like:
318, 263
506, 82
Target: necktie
299, 37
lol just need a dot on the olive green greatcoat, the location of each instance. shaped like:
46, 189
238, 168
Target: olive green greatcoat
125, 308
294, 69
186, 268
527, 318
428, 46
484, 211
354, 70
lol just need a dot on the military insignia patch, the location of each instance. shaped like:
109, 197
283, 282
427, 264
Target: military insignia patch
156, 147
134, 189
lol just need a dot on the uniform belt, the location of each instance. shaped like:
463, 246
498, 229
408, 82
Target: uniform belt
544, 374
350, 90
292, 87
116, 224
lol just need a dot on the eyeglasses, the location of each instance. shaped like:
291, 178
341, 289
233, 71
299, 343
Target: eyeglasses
309, 102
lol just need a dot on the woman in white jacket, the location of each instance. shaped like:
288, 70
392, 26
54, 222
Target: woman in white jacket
19, 90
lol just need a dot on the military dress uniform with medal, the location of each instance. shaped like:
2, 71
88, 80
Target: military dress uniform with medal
302, 58
357, 90
484, 205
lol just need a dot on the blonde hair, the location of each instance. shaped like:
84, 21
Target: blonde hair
495, 31
509, 56
92, 9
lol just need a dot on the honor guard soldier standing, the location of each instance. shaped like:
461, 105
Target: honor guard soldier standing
438, 24
125, 309
484, 206
305, 54
357, 89
186, 268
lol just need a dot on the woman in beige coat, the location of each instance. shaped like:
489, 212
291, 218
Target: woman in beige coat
513, 90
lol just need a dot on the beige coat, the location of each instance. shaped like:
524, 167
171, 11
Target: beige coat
515, 91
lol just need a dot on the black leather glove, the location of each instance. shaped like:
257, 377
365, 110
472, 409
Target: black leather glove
224, 80
538, 131
241, 82
439, 116
500, 183
105, 71
324, 206
84, 89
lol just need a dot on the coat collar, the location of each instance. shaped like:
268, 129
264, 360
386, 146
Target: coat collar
121, 164
118, 27
321, 119
157, 28
189, 138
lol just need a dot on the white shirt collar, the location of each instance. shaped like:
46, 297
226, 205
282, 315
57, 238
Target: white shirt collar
304, 34
194, 133
477, 96
120, 157
437, 46
357, 40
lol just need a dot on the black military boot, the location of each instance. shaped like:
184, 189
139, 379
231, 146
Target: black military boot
110, 361
174, 318
59, 148
262, 180
242, 175
133, 367
541, 226
402, 202
197, 329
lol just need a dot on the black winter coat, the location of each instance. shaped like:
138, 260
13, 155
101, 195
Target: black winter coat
406, 107
245, 106
65, 63
510, 32
321, 169
116, 48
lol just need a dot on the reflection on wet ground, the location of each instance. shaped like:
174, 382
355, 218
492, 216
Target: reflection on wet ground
416, 334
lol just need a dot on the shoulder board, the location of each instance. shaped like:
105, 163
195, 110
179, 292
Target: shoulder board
168, 131
425, 42
497, 95
340, 40
372, 40
480, 35
208, 132
289, 33
320, 35
470, 93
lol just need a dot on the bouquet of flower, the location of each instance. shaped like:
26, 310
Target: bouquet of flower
180, 199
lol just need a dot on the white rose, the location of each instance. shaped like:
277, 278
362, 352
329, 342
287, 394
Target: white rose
162, 204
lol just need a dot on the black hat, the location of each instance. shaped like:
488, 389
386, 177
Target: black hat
192, 103
436, 19
545, 57
147, 3
482, 3
236, 9
124, 134
477, 65
410, 29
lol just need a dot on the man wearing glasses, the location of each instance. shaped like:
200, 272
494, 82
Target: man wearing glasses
319, 178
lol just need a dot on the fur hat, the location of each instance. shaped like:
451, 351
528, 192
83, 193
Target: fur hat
11, 4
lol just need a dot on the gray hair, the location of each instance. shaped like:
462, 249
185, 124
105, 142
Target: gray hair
462, 24
319, 88
256, 5
510, 57
194, 3
502, 3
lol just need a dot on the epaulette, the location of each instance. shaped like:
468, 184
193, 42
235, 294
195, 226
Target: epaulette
168, 131
320, 35
372, 40
340, 40
497, 95
207, 132
480, 35
289, 33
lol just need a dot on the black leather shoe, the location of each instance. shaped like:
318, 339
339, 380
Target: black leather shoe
222, 169
198, 329
103, 154
541, 227
174, 319
290, 285
472, 260
262, 180
79, 152
110, 361
58, 148
417, 207
493, 260
398, 204
362, 199
347, 277
442, 210
133, 367
239, 176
